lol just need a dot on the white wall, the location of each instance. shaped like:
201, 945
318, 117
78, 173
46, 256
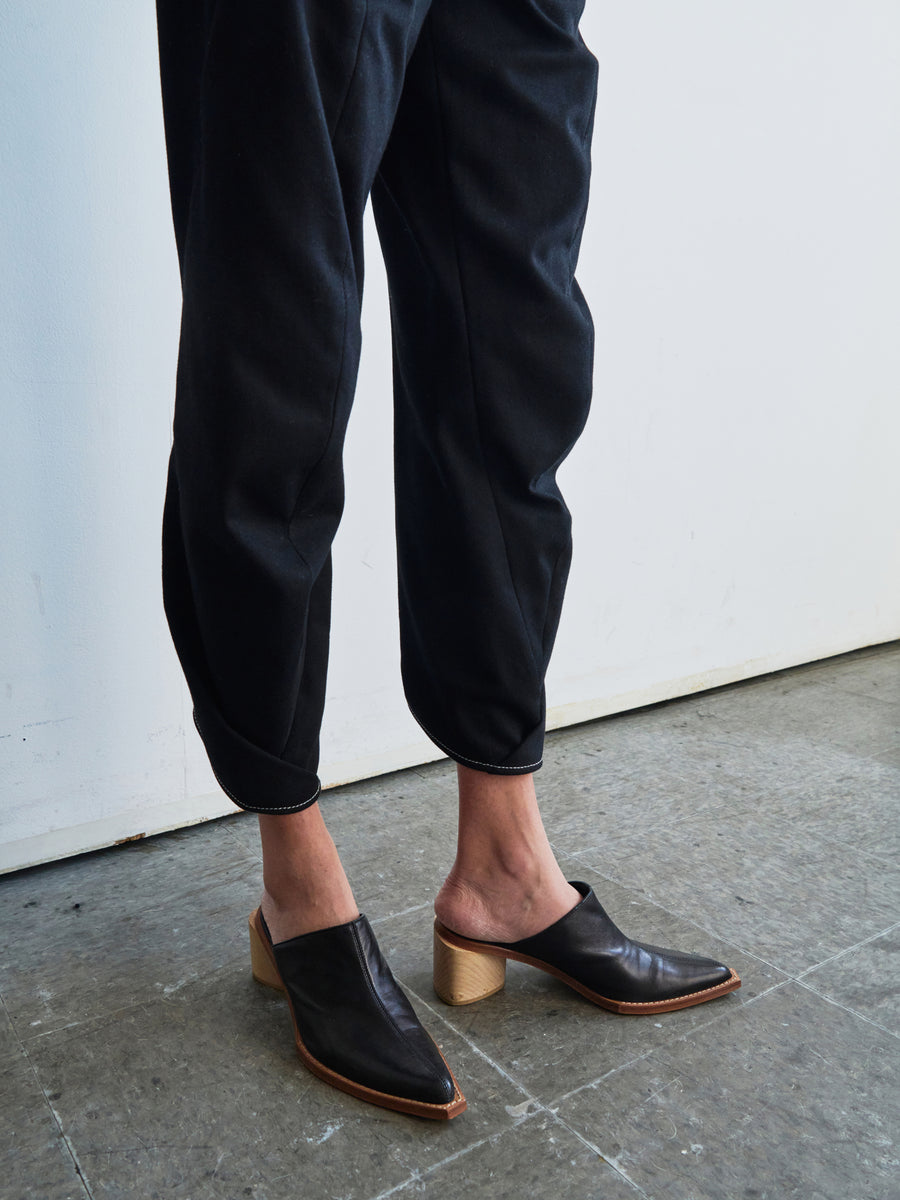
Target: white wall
736, 491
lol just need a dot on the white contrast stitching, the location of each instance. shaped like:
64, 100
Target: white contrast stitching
474, 761
249, 807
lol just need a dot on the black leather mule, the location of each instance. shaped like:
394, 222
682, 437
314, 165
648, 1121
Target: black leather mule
353, 1025
586, 950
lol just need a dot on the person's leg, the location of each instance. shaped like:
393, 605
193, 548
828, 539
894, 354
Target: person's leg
505, 882
276, 118
304, 884
480, 203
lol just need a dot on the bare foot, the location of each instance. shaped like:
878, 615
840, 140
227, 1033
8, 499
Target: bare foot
304, 885
288, 921
505, 883
504, 910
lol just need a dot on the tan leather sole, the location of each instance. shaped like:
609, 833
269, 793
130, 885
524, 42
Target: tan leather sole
265, 971
466, 971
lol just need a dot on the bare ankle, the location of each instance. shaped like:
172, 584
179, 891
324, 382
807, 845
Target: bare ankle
502, 907
304, 884
305, 913
505, 883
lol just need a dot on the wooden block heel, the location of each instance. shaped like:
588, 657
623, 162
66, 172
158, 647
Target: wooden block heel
464, 976
261, 962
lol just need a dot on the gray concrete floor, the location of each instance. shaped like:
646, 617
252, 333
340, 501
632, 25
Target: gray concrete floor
756, 822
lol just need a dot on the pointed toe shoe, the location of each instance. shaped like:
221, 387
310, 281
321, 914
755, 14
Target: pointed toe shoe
353, 1025
587, 951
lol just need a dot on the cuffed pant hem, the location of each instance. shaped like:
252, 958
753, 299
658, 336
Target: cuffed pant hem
490, 768
255, 780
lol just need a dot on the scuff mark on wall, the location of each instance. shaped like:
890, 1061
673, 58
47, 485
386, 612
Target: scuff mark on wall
36, 580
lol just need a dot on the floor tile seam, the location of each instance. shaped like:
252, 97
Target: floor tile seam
25, 1041
873, 937
479, 1053
97, 1021
786, 826
421, 1175
713, 1018
725, 772
12, 1026
639, 796
685, 1036
881, 859
554, 1104
67, 1141
667, 761
612, 1163
640, 830
433, 767
255, 855
628, 841
822, 845
614, 791
728, 940
838, 766
853, 1012
222, 878
180, 836
867, 695
821, 813
785, 747
230, 966
627, 778
645, 897
403, 912
836, 842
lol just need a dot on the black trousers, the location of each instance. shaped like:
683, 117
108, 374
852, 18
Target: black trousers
469, 122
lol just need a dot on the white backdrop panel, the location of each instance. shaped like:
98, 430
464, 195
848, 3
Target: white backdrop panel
734, 495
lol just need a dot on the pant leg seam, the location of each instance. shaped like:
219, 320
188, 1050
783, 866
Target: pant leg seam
467, 325
341, 366
353, 74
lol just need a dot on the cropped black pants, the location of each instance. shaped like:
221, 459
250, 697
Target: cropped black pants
469, 122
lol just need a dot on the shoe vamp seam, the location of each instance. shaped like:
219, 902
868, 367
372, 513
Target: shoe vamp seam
381, 1005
